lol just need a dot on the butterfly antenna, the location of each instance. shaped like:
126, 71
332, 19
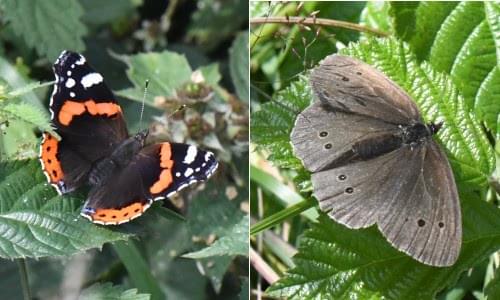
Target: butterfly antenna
143, 102
181, 107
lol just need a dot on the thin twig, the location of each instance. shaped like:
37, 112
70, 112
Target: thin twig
262, 267
316, 21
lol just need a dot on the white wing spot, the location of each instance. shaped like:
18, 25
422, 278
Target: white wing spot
178, 174
91, 79
71, 94
208, 155
197, 170
188, 172
70, 83
68, 73
191, 155
81, 61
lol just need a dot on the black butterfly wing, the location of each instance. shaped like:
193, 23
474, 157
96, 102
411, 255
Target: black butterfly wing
86, 115
350, 85
156, 172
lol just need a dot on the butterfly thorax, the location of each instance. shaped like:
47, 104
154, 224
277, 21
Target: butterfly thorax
418, 133
415, 134
103, 169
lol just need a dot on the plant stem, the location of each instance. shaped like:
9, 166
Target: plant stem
262, 267
278, 217
316, 21
138, 269
23, 273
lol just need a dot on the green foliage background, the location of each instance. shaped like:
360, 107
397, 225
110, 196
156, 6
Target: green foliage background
446, 56
192, 53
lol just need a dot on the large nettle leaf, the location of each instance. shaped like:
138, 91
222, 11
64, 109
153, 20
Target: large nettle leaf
36, 222
334, 260
271, 125
43, 27
461, 39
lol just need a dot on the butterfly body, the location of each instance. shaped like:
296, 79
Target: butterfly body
103, 169
124, 174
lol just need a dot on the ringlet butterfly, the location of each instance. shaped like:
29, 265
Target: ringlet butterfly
373, 161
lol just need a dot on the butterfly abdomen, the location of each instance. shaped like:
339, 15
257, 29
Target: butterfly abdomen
376, 146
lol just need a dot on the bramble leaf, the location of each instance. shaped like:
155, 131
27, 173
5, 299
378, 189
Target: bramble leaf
42, 26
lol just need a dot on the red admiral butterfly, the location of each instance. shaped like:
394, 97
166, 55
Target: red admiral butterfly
124, 174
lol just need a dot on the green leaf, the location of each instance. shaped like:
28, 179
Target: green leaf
458, 38
214, 268
376, 15
18, 138
166, 71
211, 74
35, 222
212, 215
18, 85
27, 89
492, 10
98, 12
235, 242
216, 20
238, 65
336, 262
412, 16
109, 292
44, 27
29, 114
272, 124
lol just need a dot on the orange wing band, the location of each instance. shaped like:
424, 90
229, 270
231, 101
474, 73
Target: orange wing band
48, 155
71, 109
166, 163
117, 216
